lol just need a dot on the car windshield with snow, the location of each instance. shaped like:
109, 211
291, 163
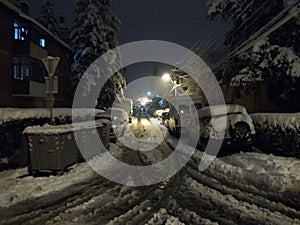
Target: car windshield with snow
230, 123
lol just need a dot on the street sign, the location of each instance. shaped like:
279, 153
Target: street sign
51, 85
50, 64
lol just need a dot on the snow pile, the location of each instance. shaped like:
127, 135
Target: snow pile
225, 209
273, 177
137, 213
162, 217
278, 133
185, 215
15, 190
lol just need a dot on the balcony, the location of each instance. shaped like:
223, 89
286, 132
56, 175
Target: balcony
29, 48
28, 88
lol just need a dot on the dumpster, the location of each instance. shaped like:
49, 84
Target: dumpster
51, 148
107, 118
89, 133
86, 135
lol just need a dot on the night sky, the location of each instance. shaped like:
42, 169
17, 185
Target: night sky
178, 21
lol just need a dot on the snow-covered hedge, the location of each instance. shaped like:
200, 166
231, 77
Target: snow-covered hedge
12, 114
278, 133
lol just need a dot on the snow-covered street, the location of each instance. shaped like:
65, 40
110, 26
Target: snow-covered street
150, 112
245, 188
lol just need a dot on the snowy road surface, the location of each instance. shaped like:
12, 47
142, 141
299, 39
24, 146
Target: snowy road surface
245, 188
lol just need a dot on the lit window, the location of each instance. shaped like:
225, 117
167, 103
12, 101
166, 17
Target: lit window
42, 42
21, 68
20, 32
21, 72
16, 71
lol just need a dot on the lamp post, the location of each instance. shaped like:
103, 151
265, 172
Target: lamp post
167, 78
50, 64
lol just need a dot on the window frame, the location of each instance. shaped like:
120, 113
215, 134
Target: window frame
19, 29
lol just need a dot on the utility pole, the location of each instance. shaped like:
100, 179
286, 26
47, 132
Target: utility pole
50, 64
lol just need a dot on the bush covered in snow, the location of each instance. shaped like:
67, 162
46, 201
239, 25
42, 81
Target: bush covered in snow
278, 133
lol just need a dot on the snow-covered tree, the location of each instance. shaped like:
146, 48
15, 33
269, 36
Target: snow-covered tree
92, 35
47, 17
274, 58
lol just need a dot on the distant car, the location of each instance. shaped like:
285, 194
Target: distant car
158, 113
236, 123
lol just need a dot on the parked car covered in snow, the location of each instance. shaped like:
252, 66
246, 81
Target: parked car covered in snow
127, 105
236, 124
184, 106
119, 116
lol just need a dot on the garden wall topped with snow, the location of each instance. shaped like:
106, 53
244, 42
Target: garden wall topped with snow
278, 133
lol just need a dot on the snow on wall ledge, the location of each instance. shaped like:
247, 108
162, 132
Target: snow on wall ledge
10, 114
278, 133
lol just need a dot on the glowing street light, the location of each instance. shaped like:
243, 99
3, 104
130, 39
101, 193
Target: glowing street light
166, 77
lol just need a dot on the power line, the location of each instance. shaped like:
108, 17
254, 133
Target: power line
225, 51
240, 14
228, 24
205, 38
267, 29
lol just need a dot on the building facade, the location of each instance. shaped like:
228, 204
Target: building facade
23, 44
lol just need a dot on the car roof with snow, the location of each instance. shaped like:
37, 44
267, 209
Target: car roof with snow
217, 110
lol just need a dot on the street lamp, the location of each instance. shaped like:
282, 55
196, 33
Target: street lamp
167, 78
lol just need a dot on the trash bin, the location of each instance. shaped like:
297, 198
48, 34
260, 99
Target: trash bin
51, 148
108, 118
110, 130
90, 133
